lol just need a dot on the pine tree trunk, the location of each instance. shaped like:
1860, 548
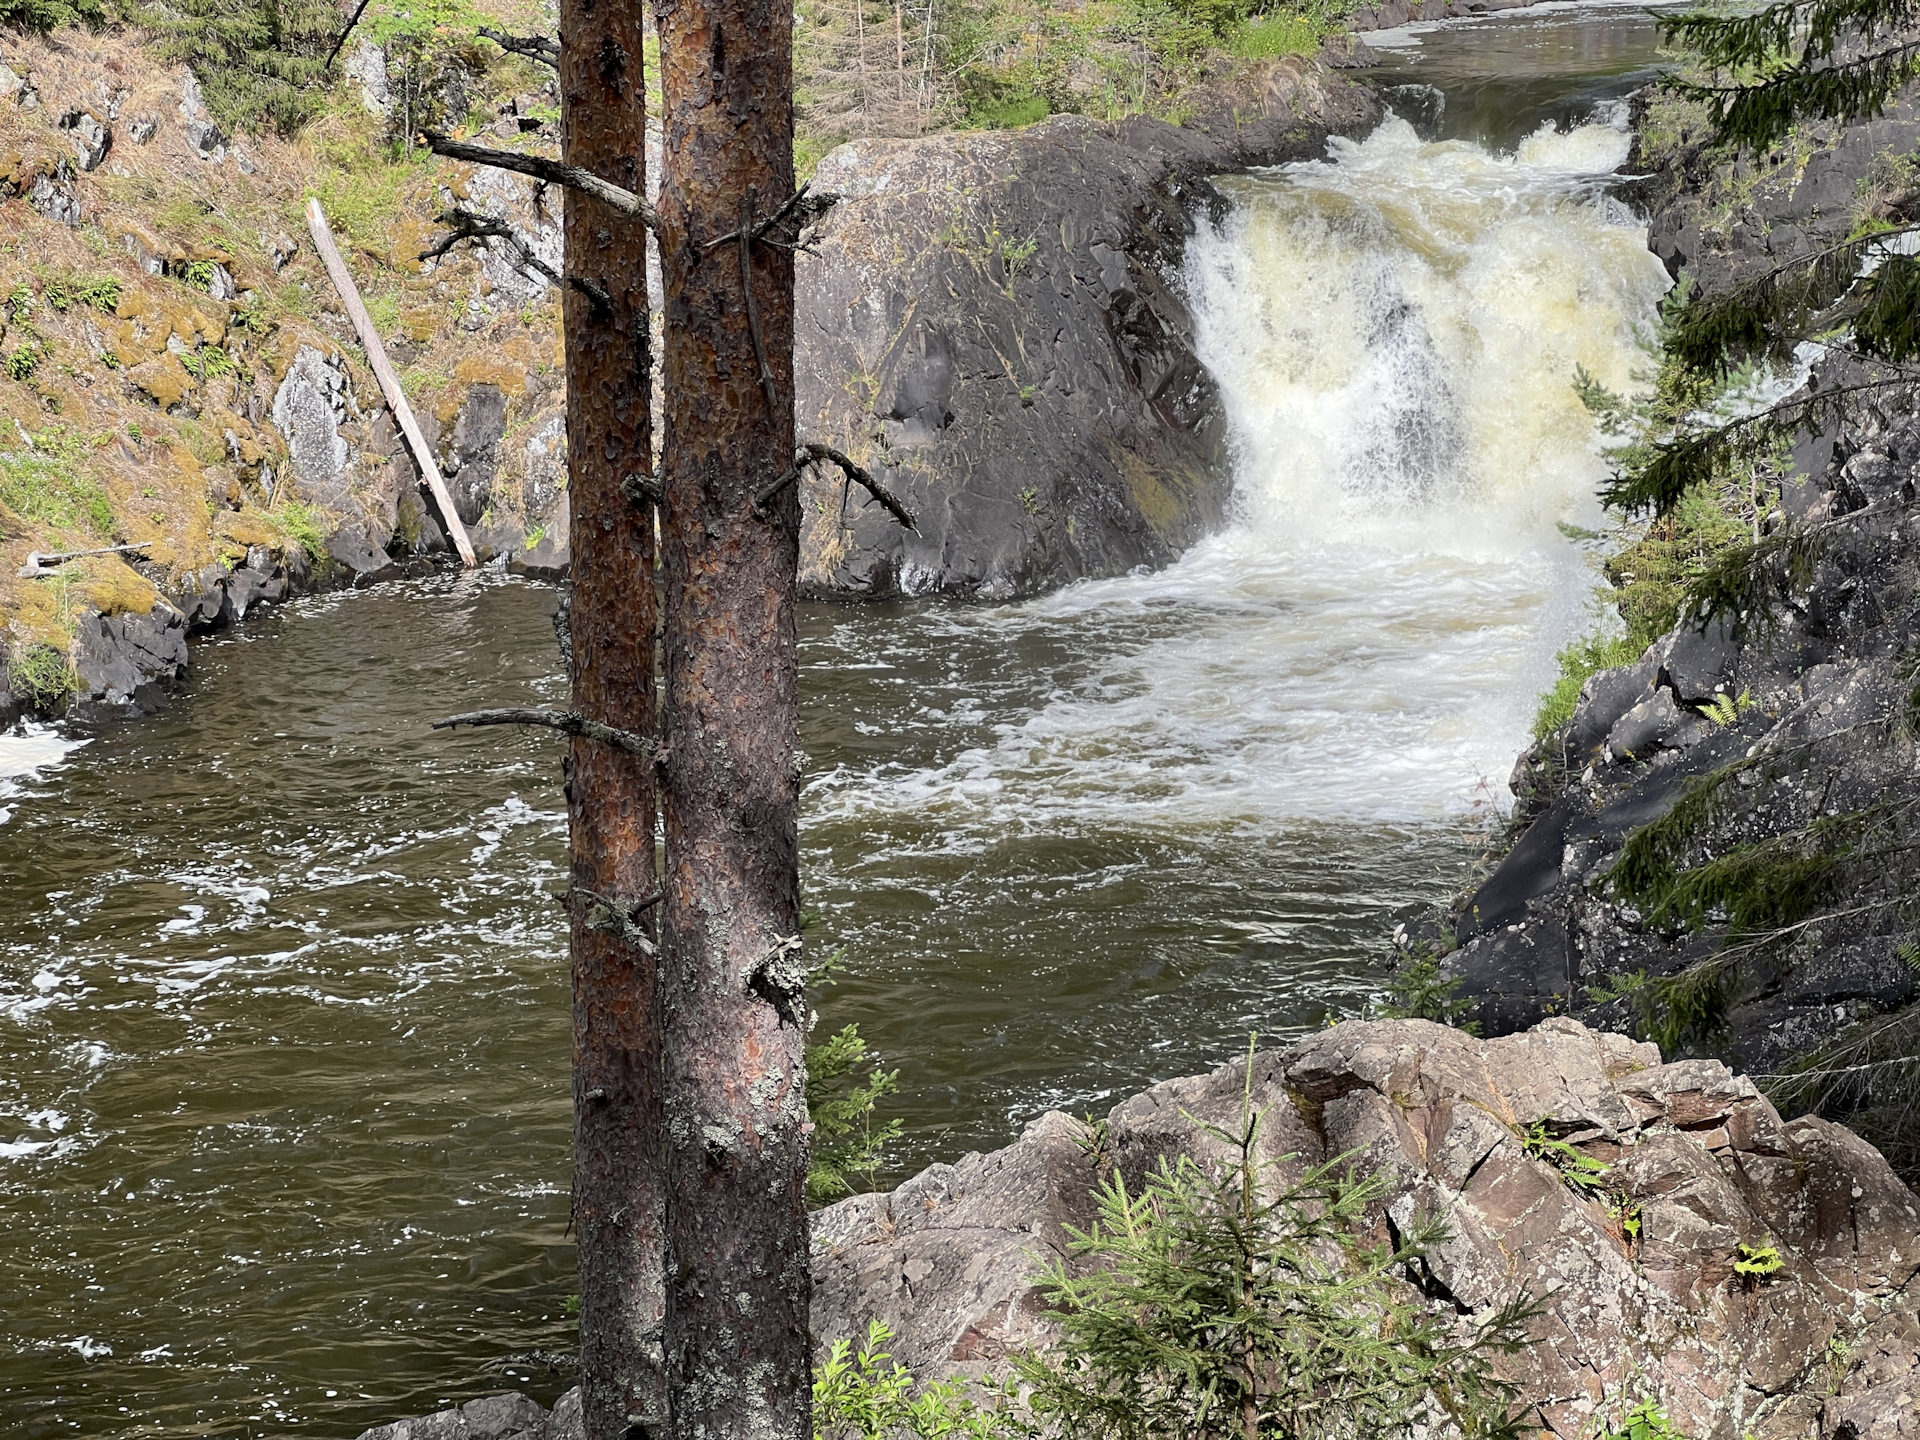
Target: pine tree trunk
733, 1009
611, 795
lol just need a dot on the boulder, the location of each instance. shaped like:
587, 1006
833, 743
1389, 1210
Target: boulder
1697, 1153
1635, 1278
993, 323
125, 664
308, 410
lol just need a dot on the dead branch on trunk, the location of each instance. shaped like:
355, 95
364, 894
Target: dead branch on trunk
619, 917
811, 452
534, 47
642, 489
465, 225
745, 232
551, 171
568, 722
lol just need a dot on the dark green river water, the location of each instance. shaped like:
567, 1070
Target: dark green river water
284, 1032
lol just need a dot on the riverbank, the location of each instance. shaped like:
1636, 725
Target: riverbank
1714, 846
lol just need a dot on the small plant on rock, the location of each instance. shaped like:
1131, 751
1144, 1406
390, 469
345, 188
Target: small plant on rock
1236, 1300
1583, 1174
868, 1395
1646, 1421
1755, 1263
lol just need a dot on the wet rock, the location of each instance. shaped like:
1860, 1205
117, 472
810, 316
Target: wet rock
993, 323
126, 663
1654, 723
92, 139
508, 1416
470, 452
308, 410
364, 561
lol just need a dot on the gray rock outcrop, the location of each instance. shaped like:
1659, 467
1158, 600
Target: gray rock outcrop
1796, 740
1826, 1346
993, 323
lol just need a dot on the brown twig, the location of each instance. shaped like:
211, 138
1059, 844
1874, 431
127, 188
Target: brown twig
567, 721
810, 452
551, 171
745, 232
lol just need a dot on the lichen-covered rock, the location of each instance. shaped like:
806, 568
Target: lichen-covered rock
993, 323
309, 409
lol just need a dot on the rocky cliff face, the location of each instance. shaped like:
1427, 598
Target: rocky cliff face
1757, 780
1828, 1345
994, 323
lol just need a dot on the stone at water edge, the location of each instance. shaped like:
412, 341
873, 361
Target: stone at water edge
946, 1259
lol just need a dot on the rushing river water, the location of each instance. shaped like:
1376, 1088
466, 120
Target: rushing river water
283, 1025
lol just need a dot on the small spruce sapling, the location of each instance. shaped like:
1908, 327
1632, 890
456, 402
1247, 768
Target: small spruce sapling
1239, 1301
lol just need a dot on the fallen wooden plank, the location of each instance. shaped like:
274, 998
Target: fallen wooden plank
383, 372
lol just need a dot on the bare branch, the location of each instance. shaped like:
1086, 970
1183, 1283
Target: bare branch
465, 225
534, 47
745, 232
340, 44
642, 489
618, 917
811, 452
40, 565
567, 721
551, 171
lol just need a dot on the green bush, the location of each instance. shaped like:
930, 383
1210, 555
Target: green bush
1579, 662
40, 16
41, 675
1236, 1303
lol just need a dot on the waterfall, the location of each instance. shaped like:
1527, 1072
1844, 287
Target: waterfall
1394, 330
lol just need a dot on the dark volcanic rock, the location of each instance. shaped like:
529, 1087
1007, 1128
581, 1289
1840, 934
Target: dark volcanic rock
127, 663
994, 324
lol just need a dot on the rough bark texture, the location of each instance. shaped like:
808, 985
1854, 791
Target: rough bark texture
617, 1199
735, 1142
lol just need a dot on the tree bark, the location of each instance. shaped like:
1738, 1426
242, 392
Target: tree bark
611, 794
736, 1146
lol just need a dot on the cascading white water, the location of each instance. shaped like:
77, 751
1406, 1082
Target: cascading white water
1395, 331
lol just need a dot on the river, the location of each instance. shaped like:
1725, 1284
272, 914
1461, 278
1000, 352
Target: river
283, 1028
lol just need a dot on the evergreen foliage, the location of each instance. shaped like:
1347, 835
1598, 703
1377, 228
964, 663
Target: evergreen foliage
261, 63
1760, 74
40, 16
1234, 1301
